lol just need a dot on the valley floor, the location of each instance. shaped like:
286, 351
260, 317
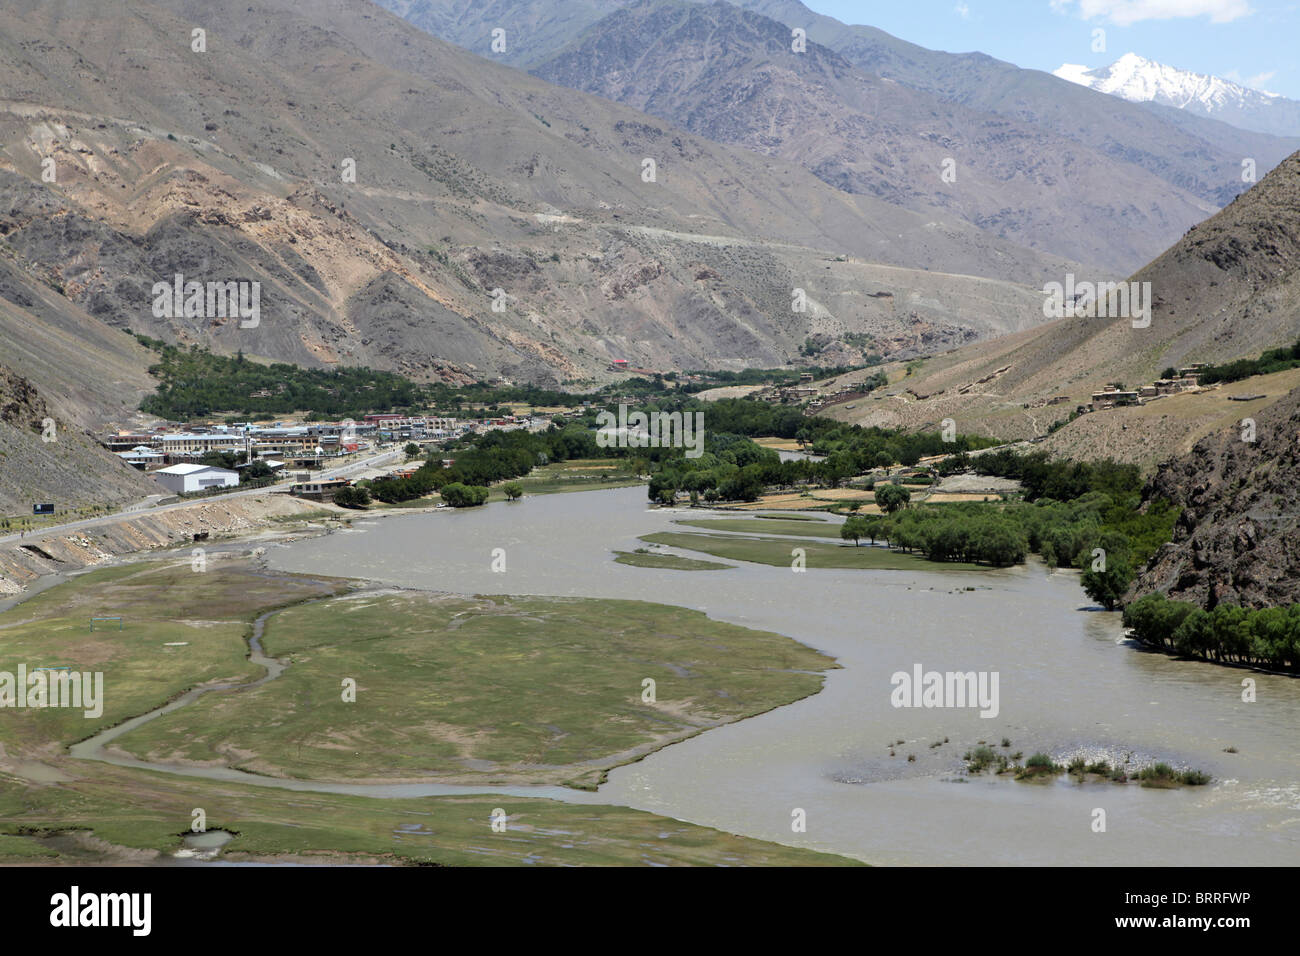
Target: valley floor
448, 689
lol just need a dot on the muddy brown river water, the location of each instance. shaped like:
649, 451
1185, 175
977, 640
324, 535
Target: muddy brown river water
1068, 684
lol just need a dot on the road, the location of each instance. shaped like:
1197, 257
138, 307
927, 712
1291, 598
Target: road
142, 508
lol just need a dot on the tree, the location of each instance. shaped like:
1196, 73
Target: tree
667, 496
513, 490
256, 470
412, 450
1001, 544
1195, 635
352, 497
743, 486
1108, 584
464, 496
854, 529
892, 497
874, 526
222, 459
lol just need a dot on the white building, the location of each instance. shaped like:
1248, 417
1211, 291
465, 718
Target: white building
180, 479
189, 443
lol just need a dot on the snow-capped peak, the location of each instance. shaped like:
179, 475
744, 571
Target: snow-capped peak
1140, 80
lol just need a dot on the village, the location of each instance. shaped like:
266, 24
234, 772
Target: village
1115, 394
301, 457
191, 457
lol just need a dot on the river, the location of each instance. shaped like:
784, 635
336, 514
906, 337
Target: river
1068, 684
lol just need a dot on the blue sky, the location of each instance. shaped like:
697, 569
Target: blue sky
1251, 41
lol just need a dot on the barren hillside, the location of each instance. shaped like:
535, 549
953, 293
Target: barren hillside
235, 163
1228, 289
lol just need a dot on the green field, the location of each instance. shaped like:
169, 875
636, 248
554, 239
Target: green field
578, 475
160, 604
142, 810
489, 689
802, 528
523, 689
817, 554
670, 562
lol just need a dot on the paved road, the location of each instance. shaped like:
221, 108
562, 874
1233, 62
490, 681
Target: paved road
142, 508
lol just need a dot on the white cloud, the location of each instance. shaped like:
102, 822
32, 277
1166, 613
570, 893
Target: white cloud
962, 9
1127, 12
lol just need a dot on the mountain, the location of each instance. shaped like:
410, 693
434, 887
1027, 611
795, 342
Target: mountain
534, 29
1200, 155
731, 76
1140, 80
470, 177
1235, 541
77, 373
1192, 154
46, 458
1228, 289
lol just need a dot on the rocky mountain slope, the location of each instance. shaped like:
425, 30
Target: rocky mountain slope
1200, 155
730, 75
1139, 80
1192, 154
46, 458
78, 373
233, 164
1238, 539
1228, 289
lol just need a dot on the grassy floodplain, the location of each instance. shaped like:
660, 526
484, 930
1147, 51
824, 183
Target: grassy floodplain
797, 527
817, 554
206, 613
133, 815
445, 685
482, 689
670, 562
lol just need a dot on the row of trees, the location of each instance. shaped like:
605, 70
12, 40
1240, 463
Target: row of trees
254, 474
734, 468
1274, 360
501, 455
1087, 515
353, 496
858, 450
1227, 634
1103, 528
980, 538
194, 383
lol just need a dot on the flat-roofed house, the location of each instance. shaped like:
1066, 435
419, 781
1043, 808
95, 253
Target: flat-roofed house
192, 444
142, 456
319, 490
